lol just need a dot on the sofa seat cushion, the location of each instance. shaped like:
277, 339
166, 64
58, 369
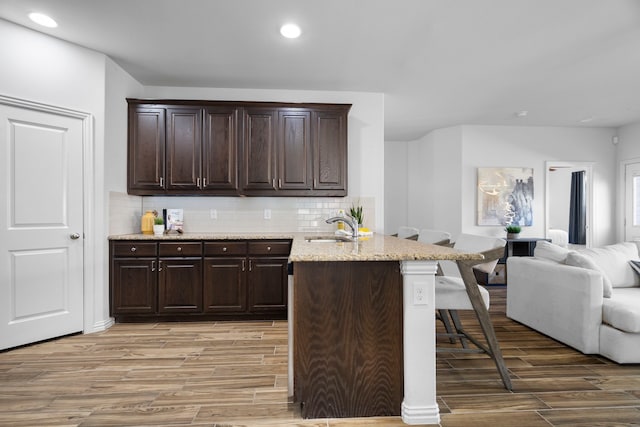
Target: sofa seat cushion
613, 260
451, 294
622, 310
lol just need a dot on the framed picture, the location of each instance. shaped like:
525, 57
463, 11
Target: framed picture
505, 196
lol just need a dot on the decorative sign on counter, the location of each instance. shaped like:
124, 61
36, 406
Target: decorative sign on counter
174, 219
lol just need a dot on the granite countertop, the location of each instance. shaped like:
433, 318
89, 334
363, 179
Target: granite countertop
377, 247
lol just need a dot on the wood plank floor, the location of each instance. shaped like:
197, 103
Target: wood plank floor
235, 374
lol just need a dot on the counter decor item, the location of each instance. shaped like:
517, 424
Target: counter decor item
356, 212
513, 231
158, 226
174, 220
146, 223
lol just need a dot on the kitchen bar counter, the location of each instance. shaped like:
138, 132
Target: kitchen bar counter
377, 247
362, 322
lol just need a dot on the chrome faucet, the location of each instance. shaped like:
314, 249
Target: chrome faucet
349, 220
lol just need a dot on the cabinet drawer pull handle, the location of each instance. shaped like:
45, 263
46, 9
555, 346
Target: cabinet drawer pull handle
279, 183
133, 249
273, 183
250, 265
198, 182
243, 265
224, 249
159, 265
204, 182
161, 182
153, 266
315, 183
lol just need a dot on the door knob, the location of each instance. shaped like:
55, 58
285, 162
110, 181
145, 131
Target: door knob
75, 236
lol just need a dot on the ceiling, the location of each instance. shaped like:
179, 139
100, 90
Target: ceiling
439, 62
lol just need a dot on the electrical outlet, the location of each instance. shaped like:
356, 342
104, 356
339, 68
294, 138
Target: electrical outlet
420, 293
213, 214
267, 214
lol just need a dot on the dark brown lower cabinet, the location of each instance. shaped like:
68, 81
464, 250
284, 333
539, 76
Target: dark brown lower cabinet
225, 285
267, 284
133, 286
198, 280
180, 285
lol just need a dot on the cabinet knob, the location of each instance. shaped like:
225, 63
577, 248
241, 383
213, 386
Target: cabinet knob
224, 249
133, 249
179, 248
268, 248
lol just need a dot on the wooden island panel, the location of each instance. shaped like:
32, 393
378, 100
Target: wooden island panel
348, 338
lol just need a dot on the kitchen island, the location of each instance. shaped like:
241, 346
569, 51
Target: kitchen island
363, 327
361, 313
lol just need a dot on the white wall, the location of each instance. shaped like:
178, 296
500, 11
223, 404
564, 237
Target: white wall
628, 142
395, 185
628, 151
520, 146
445, 198
434, 180
46, 70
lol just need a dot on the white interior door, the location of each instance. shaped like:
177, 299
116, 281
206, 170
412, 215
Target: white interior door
632, 202
41, 225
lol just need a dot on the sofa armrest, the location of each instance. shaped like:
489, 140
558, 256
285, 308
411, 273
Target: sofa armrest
561, 301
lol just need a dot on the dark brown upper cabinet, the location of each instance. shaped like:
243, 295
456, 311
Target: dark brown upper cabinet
146, 150
259, 150
237, 148
220, 150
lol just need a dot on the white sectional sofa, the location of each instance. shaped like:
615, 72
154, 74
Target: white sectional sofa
588, 299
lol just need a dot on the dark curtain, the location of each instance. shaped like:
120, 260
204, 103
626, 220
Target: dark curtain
578, 210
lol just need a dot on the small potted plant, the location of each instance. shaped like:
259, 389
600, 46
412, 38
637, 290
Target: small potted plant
158, 226
356, 212
513, 231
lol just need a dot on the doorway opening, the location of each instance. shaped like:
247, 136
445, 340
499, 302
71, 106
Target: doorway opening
569, 226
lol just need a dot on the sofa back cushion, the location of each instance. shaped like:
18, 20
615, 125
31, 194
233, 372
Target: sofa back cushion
577, 259
613, 260
548, 250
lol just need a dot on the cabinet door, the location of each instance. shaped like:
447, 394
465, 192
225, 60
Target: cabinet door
267, 284
184, 147
294, 150
224, 285
330, 151
219, 149
259, 149
133, 286
146, 155
180, 285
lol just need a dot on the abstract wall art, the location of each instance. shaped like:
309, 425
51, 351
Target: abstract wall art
505, 196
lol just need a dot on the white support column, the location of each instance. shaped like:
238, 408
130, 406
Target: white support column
419, 405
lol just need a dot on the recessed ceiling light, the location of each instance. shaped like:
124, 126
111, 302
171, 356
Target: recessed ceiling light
522, 113
42, 19
290, 31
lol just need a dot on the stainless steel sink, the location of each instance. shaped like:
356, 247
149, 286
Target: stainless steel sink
327, 239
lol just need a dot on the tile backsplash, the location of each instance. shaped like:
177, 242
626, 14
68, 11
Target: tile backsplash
237, 214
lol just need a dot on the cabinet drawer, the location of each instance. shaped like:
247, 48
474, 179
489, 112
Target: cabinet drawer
181, 249
134, 249
225, 248
270, 247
